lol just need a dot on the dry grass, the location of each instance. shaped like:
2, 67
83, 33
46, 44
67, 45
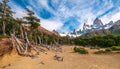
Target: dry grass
71, 61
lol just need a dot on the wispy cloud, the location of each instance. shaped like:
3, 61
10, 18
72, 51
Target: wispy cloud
69, 14
108, 18
51, 25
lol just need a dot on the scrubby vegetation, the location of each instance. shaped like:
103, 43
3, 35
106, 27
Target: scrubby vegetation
100, 52
80, 50
115, 48
109, 50
99, 41
95, 47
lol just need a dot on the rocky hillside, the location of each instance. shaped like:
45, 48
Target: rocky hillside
115, 29
97, 28
98, 32
97, 22
41, 29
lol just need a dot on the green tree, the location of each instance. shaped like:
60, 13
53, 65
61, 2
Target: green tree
11, 25
5, 12
34, 23
31, 19
117, 40
110, 42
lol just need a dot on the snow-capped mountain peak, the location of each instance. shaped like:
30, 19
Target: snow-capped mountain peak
97, 25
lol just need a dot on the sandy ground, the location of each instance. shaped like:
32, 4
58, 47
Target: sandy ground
71, 61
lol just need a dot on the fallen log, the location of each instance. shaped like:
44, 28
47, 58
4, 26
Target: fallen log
29, 43
19, 46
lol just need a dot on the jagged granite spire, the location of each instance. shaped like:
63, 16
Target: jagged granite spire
97, 22
84, 26
75, 32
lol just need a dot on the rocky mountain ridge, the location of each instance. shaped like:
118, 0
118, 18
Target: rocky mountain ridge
97, 28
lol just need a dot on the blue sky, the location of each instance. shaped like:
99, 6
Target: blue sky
66, 15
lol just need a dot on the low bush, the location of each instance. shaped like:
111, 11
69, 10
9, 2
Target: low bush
100, 52
115, 48
80, 50
108, 49
96, 47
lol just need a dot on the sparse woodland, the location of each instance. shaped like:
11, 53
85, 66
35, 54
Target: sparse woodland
25, 35
43, 49
24, 32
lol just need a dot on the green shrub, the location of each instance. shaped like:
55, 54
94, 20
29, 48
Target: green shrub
80, 50
100, 52
108, 49
115, 48
96, 47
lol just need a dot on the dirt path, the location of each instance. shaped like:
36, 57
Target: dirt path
71, 61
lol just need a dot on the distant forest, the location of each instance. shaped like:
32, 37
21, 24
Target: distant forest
100, 41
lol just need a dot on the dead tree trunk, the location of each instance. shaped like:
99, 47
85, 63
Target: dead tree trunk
36, 41
3, 19
13, 38
21, 29
18, 42
13, 30
13, 43
26, 49
20, 46
29, 43
39, 39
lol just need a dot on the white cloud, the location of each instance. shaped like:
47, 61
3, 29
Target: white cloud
85, 11
43, 2
116, 17
51, 25
19, 11
107, 18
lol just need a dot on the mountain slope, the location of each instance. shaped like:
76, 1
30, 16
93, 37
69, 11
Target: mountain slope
43, 30
97, 22
97, 28
98, 32
115, 29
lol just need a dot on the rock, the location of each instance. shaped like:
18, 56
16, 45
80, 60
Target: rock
97, 22
42, 62
58, 58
